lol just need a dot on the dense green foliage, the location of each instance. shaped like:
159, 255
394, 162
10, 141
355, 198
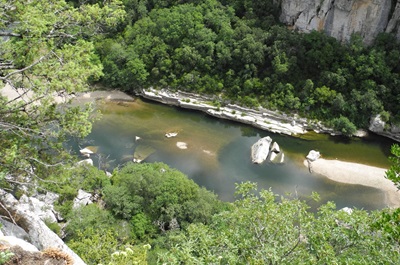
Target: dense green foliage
153, 193
134, 207
233, 49
260, 230
393, 173
237, 50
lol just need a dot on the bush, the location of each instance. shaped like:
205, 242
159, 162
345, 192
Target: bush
344, 125
385, 116
155, 191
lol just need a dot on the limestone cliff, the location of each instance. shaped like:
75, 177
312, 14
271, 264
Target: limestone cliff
341, 18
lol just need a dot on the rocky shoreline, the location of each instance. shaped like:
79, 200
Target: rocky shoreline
273, 121
264, 119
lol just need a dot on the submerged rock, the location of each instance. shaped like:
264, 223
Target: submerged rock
142, 152
171, 134
181, 145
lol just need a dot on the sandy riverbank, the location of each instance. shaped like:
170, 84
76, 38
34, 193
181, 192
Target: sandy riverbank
353, 173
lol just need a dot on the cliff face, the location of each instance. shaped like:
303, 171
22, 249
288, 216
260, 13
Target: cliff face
341, 18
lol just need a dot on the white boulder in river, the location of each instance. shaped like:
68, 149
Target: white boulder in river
260, 150
313, 155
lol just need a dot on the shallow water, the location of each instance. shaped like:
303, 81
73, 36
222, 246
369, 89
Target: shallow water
218, 152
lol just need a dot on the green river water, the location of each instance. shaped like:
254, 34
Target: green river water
218, 152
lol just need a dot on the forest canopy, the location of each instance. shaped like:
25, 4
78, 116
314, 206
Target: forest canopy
238, 50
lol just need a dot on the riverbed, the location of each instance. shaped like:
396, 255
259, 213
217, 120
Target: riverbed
218, 152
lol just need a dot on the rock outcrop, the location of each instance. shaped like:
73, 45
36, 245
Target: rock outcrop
313, 155
264, 149
14, 241
378, 126
260, 150
341, 18
264, 119
82, 199
39, 234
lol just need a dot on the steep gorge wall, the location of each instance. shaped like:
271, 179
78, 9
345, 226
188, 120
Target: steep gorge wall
341, 18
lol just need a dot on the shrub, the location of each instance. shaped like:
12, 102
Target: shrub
344, 125
159, 192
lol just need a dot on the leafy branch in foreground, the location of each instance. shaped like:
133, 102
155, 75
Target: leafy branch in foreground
393, 173
46, 54
260, 229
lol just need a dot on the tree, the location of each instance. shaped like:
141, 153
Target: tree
393, 173
262, 228
45, 53
164, 195
344, 125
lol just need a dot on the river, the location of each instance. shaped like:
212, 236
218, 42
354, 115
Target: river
218, 152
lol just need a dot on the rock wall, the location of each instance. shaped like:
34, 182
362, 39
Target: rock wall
341, 18
39, 234
264, 119
378, 126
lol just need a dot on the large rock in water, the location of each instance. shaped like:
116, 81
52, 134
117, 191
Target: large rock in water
313, 155
260, 150
341, 18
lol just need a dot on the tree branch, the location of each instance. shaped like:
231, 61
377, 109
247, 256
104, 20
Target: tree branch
24, 69
9, 34
8, 213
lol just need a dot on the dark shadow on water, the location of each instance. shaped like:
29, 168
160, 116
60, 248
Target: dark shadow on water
340, 139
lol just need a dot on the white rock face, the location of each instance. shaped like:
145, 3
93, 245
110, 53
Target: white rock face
10, 229
394, 22
347, 210
260, 150
40, 235
377, 125
341, 18
44, 211
14, 241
